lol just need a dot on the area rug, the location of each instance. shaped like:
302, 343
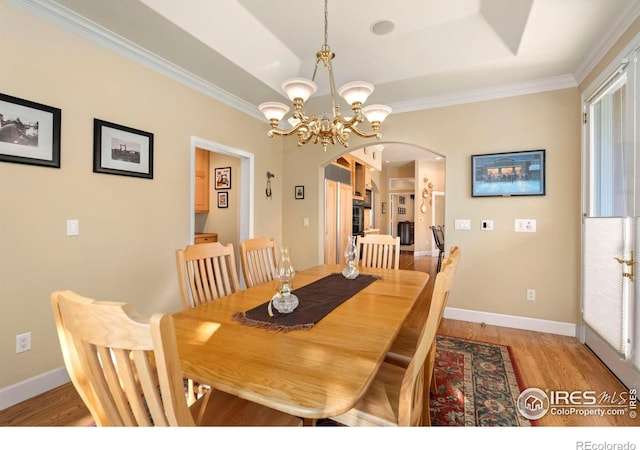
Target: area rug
478, 384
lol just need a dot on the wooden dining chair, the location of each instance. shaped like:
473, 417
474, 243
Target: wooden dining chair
398, 396
126, 369
438, 239
206, 272
258, 259
405, 344
378, 250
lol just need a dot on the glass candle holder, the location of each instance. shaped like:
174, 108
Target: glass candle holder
350, 254
284, 301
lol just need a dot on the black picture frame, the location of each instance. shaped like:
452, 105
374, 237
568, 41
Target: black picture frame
223, 199
122, 150
299, 192
29, 132
222, 178
510, 174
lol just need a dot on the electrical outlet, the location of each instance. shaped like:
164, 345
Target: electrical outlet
23, 342
531, 295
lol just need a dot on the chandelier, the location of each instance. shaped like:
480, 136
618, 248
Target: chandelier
325, 130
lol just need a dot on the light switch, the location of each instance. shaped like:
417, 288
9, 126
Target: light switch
525, 225
486, 225
73, 227
462, 224
306, 222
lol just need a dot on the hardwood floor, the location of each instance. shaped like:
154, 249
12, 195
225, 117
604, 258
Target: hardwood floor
545, 361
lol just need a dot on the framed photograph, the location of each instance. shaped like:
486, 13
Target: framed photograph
508, 174
121, 150
223, 177
299, 192
384, 207
223, 199
29, 132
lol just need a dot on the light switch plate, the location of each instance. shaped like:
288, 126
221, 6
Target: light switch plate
525, 225
73, 227
462, 224
486, 225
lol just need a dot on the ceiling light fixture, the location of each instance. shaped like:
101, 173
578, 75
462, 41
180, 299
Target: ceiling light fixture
325, 130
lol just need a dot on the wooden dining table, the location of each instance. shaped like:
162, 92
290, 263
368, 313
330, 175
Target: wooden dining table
310, 373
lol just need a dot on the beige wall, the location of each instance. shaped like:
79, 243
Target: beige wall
129, 227
497, 267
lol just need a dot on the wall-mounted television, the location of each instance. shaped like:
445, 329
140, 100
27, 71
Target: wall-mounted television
508, 174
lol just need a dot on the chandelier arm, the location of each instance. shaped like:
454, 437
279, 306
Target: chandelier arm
279, 132
362, 134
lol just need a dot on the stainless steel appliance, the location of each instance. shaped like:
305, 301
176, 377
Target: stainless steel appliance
358, 217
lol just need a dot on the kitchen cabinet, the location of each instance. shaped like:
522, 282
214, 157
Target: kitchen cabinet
201, 194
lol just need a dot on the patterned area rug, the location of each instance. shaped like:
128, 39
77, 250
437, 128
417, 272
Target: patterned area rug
477, 385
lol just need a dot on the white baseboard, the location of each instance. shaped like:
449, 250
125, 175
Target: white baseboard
503, 320
24, 390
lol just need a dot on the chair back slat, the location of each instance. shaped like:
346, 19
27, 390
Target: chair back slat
258, 259
125, 368
379, 251
206, 272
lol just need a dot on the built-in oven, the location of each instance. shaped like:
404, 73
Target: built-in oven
358, 217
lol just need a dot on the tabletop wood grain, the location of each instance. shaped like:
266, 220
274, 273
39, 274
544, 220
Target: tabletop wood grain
313, 373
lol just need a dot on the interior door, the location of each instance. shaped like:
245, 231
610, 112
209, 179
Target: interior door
611, 226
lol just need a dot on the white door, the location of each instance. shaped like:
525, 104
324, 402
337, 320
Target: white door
611, 225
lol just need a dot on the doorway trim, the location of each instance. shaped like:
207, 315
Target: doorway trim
247, 169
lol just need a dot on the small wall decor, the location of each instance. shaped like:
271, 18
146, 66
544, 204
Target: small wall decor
268, 189
223, 199
121, 150
29, 132
508, 174
384, 207
223, 178
299, 192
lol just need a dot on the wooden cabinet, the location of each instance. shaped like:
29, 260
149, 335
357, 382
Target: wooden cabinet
203, 238
201, 193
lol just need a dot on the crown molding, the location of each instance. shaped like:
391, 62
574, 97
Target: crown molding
492, 93
90, 30
69, 20
606, 44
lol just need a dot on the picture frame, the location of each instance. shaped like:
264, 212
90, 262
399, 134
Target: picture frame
223, 199
299, 192
29, 132
510, 174
222, 178
122, 150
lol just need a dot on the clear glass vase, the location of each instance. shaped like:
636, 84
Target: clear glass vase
350, 254
284, 301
